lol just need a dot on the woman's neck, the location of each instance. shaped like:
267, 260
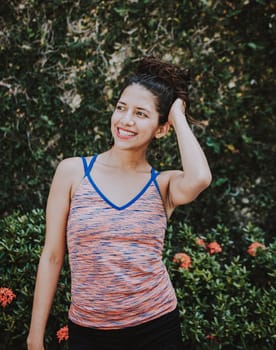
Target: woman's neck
125, 160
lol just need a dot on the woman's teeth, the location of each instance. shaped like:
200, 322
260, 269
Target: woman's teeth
125, 133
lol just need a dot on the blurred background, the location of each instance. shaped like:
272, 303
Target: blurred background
61, 68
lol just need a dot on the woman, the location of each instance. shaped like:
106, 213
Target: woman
112, 209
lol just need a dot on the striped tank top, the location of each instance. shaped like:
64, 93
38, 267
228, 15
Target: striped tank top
118, 278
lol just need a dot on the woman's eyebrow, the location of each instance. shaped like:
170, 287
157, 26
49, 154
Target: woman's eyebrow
143, 109
122, 103
140, 108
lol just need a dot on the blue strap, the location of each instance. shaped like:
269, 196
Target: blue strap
154, 174
88, 168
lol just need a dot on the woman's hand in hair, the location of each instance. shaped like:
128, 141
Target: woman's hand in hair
177, 111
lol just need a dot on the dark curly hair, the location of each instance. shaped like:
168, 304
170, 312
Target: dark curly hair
166, 81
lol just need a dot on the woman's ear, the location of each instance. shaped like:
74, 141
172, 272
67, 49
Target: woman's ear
162, 130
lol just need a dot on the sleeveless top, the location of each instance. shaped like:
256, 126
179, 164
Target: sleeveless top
118, 278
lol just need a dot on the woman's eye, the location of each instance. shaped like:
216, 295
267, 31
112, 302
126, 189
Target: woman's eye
120, 108
141, 114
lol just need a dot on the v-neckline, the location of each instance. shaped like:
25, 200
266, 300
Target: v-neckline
111, 203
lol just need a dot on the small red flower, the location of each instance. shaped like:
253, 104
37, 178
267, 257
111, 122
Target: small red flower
252, 249
201, 242
214, 247
6, 296
183, 260
62, 334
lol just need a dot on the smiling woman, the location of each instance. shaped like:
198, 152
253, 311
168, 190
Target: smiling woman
136, 119
112, 209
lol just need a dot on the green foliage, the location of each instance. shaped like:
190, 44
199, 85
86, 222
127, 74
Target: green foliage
226, 299
60, 76
21, 241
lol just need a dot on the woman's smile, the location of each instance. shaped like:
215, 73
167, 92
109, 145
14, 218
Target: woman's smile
123, 133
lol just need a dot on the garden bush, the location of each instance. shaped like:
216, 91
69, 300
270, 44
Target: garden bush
226, 291
22, 237
227, 295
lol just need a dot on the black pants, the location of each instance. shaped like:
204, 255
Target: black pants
163, 333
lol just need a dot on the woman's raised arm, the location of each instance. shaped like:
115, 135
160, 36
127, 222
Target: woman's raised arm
184, 186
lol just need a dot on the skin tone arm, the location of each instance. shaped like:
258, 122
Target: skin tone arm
52, 256
184, 186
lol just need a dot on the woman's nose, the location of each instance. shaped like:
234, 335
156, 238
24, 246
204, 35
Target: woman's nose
128, 119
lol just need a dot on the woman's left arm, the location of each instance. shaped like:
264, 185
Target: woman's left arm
184, 186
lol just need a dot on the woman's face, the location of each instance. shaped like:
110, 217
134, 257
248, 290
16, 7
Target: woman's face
134, 122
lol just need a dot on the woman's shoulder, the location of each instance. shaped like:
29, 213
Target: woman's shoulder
73, 167
74, 164
71, 172
69, 164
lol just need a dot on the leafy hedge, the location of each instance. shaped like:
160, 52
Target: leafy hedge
22, 238
226, 296
60, 64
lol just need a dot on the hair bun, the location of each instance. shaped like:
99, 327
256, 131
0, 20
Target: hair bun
176, 77
171, 73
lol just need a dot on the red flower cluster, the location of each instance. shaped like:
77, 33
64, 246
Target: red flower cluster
201, 242
63, 334
183, 260
252, 249
6, 296
214, 247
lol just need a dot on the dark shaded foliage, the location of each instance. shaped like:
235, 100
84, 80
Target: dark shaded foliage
60, 76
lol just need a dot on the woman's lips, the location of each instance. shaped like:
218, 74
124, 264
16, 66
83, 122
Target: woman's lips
124, 133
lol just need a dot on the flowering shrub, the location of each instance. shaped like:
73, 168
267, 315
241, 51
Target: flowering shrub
226, 296
21, 241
